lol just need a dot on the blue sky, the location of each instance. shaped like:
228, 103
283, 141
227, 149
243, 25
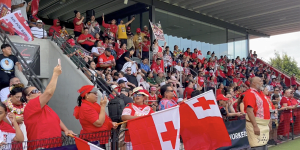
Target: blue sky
289, 43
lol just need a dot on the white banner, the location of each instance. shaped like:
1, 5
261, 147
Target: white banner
16, 21
157, 31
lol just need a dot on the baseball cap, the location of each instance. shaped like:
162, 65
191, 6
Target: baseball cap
128, 28
194, 63
71, 42
138, 30
221, 97
39, 21
125, 90
140, 90
121, 81
114, 86
108, 49
153, 88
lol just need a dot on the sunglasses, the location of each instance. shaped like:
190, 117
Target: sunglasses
137, 95
108, 70
128, 70
34, 91
170, 90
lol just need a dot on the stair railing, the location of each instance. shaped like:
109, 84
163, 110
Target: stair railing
29, 74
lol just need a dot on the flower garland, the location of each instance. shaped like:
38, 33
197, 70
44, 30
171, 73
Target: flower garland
13, 109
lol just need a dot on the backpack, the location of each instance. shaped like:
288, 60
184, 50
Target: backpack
115, 109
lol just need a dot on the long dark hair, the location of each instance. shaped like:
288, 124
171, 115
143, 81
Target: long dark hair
24, 94
240, 100
4, 106
18, 88
163, 90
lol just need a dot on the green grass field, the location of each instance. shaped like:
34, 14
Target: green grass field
291, 145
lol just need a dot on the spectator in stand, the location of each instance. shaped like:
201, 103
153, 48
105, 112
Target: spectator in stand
4, 93
78, 24
167, 93
248, 81
32, 22
98, 49
37, 111
221, 77
158, 66
176, 51
220, 89
120, 49
200, 80
130, 35
56, 27
160, 79
113, 27
224, 107
208, 55
150, 80
157, 50
146, 31
86, 40
98, 38
274, 121
38, 31
146, 47
106, 60
285, 117
282, 83
122, 36
10, 132
298, 90
293, 80
63, 32
124, 59
135, 110
258, 113
7, 66
187, 53
124, 95
144, 66
93, 26
131, 78
138, 38
21, 5
188, 90
240, 105
91, 115
211, 83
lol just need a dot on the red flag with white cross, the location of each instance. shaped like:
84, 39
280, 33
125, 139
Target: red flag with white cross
201, 123
158, 131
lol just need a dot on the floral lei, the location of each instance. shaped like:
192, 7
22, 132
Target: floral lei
13, 109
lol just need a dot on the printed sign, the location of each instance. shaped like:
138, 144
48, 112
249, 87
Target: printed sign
157, 31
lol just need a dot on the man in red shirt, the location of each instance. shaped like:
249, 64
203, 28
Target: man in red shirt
188, 90
200, 80
158, 66
187, 53
146, 31
113, 27
195, 54
257, 115
86, 40
106, 60
221, 77
145, 47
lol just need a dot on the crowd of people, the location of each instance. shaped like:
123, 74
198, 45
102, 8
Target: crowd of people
242, 85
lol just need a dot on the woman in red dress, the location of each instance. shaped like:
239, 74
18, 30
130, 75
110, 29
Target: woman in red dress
92, 116
285, 117
135, 110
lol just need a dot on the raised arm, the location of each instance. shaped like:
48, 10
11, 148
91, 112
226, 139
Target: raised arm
101, 119
46, 96
129, 22
19, 135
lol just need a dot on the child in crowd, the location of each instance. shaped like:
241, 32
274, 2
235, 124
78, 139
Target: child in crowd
153, 97
274, 120
63, 32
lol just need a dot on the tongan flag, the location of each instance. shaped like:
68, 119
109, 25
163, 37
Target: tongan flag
84, 145
201, 123
35, 8
16, 22
158, 131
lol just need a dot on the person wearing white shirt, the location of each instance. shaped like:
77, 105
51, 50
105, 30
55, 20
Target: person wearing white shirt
21, 5
5, 91
38, 31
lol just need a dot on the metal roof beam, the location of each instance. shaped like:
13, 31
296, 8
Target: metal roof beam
278, 10
197, 6
197, 16
52, 9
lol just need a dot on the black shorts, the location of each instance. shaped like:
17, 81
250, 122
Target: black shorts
77, 34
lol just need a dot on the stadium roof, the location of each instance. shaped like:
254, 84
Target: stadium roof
259, 18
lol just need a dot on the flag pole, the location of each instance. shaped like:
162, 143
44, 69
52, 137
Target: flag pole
121, 123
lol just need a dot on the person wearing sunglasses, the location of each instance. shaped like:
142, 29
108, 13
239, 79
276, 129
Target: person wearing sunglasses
136, 109
92, 116
167, 101
41, 121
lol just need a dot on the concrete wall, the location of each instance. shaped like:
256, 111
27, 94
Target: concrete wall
65, 97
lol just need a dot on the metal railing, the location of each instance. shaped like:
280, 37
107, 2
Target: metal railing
80, 63
279, 69
29, 74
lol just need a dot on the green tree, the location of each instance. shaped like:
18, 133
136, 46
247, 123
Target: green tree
285, 63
